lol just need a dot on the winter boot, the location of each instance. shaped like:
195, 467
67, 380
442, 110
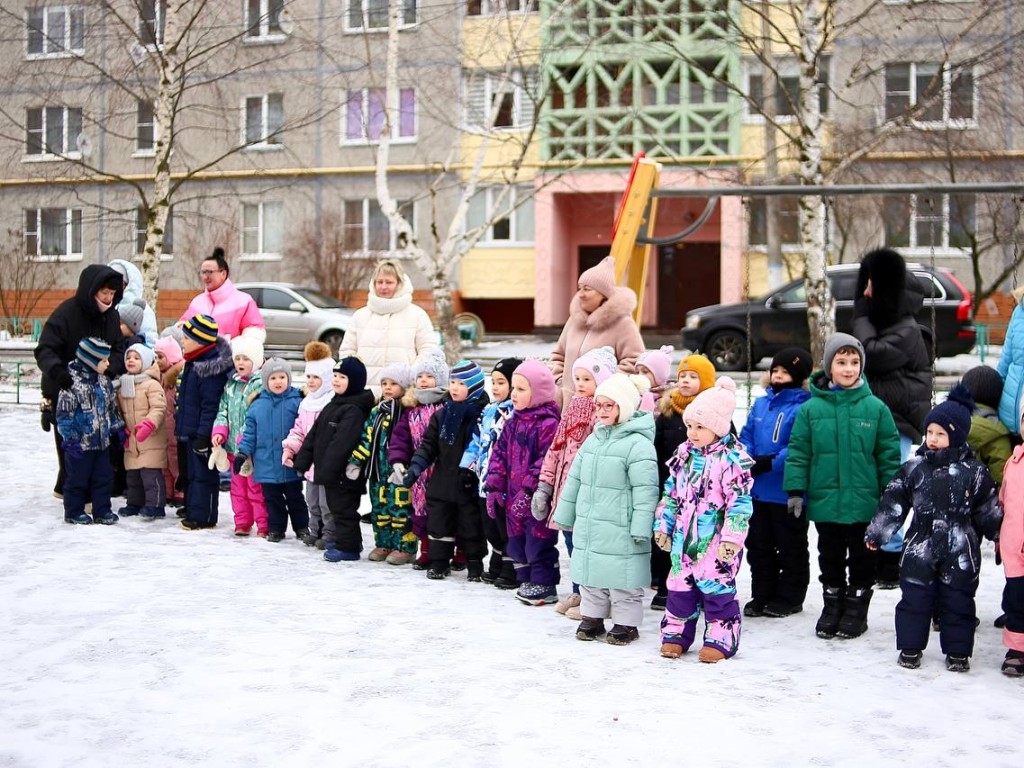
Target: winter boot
1013, 664
660, 600
301, 534
507, 578
459, 561
334, 555
854, 622
589, 629
310, 539
398, 557
80, 519
710, 655
887, 571
753, 609
439, 570
275, 537
493, 567
778, 609
831, 613
378, 555
474, 570
910, 659
622, 635
242, 531
422, 562
152, 513
537, 594
105, 518
671, 650
957, 663
129, 510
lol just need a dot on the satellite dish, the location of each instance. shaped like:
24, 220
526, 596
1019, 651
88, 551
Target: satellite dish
285, 22
138, 53
84, 144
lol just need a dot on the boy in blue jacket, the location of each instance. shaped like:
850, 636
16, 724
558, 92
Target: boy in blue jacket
777, 541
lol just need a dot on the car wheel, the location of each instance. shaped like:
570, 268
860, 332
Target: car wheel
333, 340
727, 350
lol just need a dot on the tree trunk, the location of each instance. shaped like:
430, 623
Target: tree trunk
769, 86
444, 309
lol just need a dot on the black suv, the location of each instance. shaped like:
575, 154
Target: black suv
779, 319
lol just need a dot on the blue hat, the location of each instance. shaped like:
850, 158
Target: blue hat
353, 368
470, 374
954, 415
92, 351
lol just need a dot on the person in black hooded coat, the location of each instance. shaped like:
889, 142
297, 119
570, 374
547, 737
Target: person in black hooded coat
91, 312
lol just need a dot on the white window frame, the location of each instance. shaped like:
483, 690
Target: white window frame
261, 253
752, 68
264, 33
68, 141
272, 141
943, 249
70, 223
395, 123
366, 202
364, 15
491, 195
139, 231
140, 151
948, 72
159, 26
762, 247
66, 51
499, 7
494, 85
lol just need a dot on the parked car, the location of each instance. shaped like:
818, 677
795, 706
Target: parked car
295, 314
779, 319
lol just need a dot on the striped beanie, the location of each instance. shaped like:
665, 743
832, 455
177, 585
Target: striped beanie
202, 329
92, 351
470, 374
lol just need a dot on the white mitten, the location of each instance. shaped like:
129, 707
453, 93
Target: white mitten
218, 459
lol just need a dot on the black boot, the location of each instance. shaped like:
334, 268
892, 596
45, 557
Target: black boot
507, 578
887, 570
828, 622
493, 567
474, 570
855, 615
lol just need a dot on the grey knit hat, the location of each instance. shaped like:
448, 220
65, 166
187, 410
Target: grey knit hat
133, 314
275, 365
836, 342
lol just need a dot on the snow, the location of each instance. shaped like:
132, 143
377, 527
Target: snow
143, 644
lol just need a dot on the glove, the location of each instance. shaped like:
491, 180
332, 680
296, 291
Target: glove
762, 464
468, 479
73, 449
143, 430
540, 505
411, 476
201, 446
495, 503
352, 471
663, 540
120, 437
218, 459
240, 460
795, 506
397, 473
62, 378
727, 551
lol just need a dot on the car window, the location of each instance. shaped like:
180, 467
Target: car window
930, 285
795, 294
275, 299
318, 299
844, 285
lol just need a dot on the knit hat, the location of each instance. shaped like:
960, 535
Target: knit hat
985, 384
433, 362
796, 362
713, 408
92, 351
508, 366
470, 374
599, 363
355, 370
132, 314
173, 332
202, 329
250, 347
275, 365
542, 382
703, 367
625, 391
170, 348
953, 415
600, 277
400, 373
659, 362
148, 355
836, 342
318, 360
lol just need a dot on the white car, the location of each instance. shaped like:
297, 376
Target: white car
296, 314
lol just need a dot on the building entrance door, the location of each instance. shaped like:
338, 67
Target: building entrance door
689, 276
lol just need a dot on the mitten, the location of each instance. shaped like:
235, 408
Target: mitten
120, 437
468, 479
73, 449
201, 446
143, 430
240, 460
727, 551
246, 469
762, 464
541, 502
411, 476
219, 459
352, 471
495, 503
397, 473
795, 505
519, 507
45, 417
663, 540
62, 378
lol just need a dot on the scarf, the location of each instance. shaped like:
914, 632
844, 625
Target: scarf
575, 422
387, 409
196, 353
453, 414
127, 382
314, 402
680, 401
429, 396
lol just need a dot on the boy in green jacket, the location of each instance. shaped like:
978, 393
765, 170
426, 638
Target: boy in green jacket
843, 451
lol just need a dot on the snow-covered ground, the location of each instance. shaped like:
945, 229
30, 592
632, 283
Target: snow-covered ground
145, 645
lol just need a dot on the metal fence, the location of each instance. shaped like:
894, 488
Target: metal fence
19, 382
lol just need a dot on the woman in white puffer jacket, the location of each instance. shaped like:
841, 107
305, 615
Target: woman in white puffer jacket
390, 328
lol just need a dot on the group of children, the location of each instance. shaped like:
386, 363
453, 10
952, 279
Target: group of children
650, 484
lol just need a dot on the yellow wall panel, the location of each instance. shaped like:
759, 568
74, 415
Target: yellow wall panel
498, 273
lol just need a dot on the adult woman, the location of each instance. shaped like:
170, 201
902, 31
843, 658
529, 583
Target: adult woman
390, 328
235, 312
600, 315
1011, 368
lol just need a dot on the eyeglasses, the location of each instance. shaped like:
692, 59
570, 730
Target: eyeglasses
208, 272
604, 407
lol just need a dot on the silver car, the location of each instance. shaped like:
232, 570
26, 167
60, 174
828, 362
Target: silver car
295, 314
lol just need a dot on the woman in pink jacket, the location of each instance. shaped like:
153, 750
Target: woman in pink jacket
235, 312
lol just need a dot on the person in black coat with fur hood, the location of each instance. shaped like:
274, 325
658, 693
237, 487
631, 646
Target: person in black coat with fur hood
898, 361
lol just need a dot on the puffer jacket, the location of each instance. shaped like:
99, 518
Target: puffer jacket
955, 503
266, 425
133, 291
478, 453
309, 409
444, 484
87, 413
406, 437
990, 440
235, 312
234, 403
372, 452
1011, 533
202, 383
1011, 368
150, 403
608, 501
328, 446
766, 433
843, 451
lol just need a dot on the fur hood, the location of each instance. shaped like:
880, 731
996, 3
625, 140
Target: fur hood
620, 304
895, 293
664, 403
218, 363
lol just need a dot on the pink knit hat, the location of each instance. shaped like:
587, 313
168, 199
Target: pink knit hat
599, 363
713, 408
542, 381
600, 277
659, 362
170, 348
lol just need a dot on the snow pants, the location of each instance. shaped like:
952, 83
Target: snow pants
343, 502
247, 502
1013, 607
496, 534
448, 519
534, 554
321, 524
284, 501
841, 546
145, 488
954, 607
776, 545
203, 493
717, 598
87, 478
622, 606
391, 517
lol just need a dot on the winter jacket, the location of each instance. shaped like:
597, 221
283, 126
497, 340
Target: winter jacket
669, 434
309, 410
202, 383
133, 291
608, 501
610, 325
388, 331
406, 437
766, 433
955, 503
478, 453
235, 312
79, 318
266, 426
335, 434
843, 451
515, 464
234, 403
1011, 368
372, 451
445, 483
87, 412
1011, 533
149, 403
568, 440
990, 440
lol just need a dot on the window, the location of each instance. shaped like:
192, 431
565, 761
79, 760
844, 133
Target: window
373, 14
263, 18
275, 299
366, 228
145, 128
494, 7
152, 20
511, 95
510, 215
53, 131
787, 92
56, 30
53, 234
263, 230
940, 95
364, 113
789, 221
943, 222
140, 233
264, 117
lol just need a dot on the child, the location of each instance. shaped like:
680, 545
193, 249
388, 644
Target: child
394, 541
208, 365
609, 500
702, 521
777, 541
241, 390
452, 508
143, 404
319, 370
1010, 548
589, 371
695, 374
843, 450
168, 357
654, 365
955, 503
88, 422
989, 438
430, 381
132, 316
513, 475
476, 461
327, 450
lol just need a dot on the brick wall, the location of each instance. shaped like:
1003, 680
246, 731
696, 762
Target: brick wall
995, 312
